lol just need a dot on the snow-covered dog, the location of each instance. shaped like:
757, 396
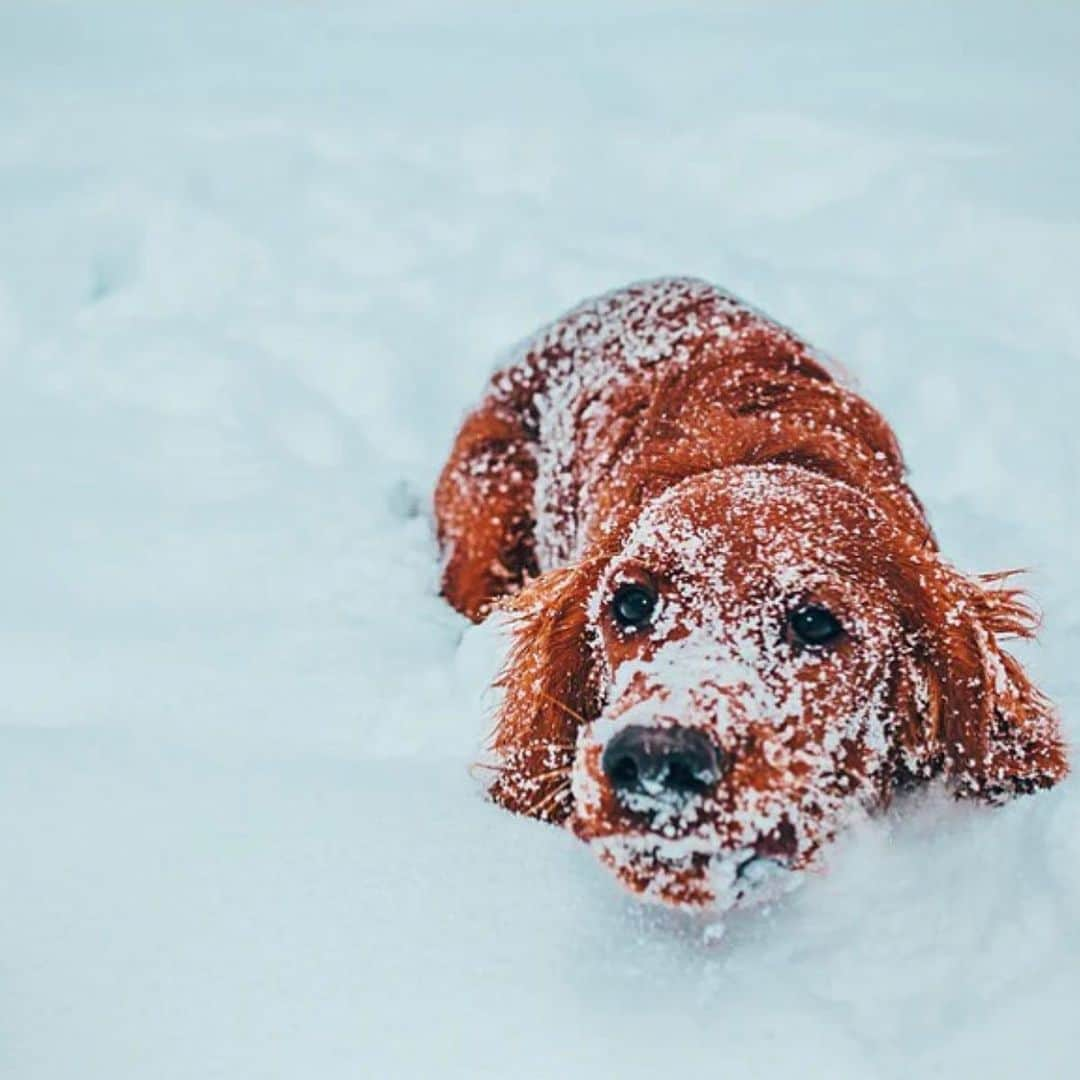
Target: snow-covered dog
733, 629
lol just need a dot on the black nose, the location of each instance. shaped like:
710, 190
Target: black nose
649, 760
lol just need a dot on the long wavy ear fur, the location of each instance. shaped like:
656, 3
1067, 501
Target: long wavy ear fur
996, 734
548, 692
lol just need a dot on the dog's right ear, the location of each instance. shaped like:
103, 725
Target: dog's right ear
549, 692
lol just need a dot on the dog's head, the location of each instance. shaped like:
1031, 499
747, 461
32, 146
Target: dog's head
766, 656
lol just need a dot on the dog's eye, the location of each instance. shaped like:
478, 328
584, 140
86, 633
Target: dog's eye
633, 605
813, 625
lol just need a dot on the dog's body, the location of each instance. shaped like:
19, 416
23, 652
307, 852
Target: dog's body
678, 499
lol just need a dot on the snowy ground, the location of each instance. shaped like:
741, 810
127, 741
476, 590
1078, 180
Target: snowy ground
255, 261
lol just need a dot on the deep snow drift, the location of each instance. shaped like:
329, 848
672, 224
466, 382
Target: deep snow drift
255, 261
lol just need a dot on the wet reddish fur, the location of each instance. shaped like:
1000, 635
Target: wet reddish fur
757, 399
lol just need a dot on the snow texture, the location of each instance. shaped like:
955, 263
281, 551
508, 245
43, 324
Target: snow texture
255, 263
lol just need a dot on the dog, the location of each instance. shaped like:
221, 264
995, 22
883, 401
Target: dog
733, 633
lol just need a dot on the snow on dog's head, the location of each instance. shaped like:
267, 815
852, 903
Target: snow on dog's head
748, 672
763, 658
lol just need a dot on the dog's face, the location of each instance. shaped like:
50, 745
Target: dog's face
765, 658
749, 660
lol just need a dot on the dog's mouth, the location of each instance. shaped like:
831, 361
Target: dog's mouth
688, 873
761, 878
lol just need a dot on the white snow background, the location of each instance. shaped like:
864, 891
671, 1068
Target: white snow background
255, 262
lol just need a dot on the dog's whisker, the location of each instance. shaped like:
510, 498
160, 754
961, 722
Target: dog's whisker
491, 767
562, 770
562, 705
542, 804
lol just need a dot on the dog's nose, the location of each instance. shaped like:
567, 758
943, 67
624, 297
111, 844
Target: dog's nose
650, 761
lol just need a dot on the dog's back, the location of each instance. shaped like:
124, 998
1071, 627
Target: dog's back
623, 396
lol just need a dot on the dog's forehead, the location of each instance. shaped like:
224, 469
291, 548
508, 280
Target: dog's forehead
767, 517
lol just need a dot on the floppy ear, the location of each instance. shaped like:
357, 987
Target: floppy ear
549, 692
994, 732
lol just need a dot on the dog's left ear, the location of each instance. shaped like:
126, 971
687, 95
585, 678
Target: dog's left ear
549, 692
994, 733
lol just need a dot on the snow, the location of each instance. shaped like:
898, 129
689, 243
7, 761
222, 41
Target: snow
255, 262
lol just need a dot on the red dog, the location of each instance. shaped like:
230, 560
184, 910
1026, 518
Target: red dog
734, 631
